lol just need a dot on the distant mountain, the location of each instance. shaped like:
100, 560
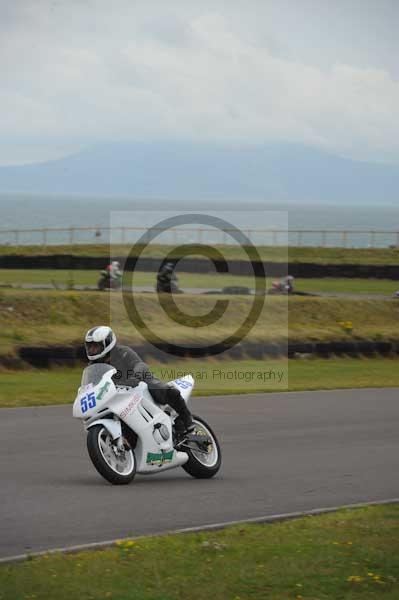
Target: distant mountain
178, 171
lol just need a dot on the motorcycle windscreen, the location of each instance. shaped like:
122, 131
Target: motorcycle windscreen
94, 373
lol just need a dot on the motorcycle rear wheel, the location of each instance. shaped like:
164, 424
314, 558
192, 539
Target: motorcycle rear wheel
200, 464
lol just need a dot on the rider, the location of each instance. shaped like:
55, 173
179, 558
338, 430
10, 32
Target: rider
167, 279
113, 269
101, 346
288, 283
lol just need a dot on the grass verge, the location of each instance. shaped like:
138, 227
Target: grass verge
192, 280
309, 254
140, 278
349, 554
51, 317
59, 386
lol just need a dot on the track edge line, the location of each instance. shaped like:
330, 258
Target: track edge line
196, 529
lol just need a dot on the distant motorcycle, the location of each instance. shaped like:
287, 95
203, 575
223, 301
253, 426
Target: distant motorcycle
128, 433
280, 287
107, 282
169, 287
285, 287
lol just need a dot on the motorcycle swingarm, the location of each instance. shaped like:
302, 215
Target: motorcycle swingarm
195, 442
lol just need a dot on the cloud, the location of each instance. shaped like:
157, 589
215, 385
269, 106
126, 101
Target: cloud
85, 71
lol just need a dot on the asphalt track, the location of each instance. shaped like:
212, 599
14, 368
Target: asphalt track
282, 453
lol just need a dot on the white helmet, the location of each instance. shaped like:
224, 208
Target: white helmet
99, 341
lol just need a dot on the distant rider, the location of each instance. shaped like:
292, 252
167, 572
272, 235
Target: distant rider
111, 276
283, 286
288, 283
113, 270
101, 346
167, 279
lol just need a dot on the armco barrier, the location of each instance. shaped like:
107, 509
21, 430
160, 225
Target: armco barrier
48, 356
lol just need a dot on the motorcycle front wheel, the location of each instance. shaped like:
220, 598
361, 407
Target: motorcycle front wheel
116, 466
204, 462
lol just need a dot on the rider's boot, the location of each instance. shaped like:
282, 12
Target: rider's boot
184, 422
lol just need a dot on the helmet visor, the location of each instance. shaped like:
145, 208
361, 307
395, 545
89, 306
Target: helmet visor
94, 348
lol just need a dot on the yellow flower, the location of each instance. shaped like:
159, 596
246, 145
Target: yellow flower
355, 579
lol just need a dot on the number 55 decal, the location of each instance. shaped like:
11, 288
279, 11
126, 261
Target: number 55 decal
87, 402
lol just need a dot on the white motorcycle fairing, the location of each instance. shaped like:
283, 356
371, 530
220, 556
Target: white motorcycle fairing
154, 451
112, 425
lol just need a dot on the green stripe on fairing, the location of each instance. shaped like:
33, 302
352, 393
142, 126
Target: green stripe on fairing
103, 390
159, 457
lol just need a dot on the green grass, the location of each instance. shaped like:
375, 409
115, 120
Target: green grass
90, 278
48, 276
192, 280
50, 317
32, 387
332, 285
314, 254
349, 554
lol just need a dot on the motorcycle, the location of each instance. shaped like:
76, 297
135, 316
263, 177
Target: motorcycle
279, 287
128, 433
107, 282
168, 288
167, 281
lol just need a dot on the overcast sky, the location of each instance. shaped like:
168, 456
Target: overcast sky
78, 72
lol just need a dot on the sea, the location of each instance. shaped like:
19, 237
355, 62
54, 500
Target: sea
36, 219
